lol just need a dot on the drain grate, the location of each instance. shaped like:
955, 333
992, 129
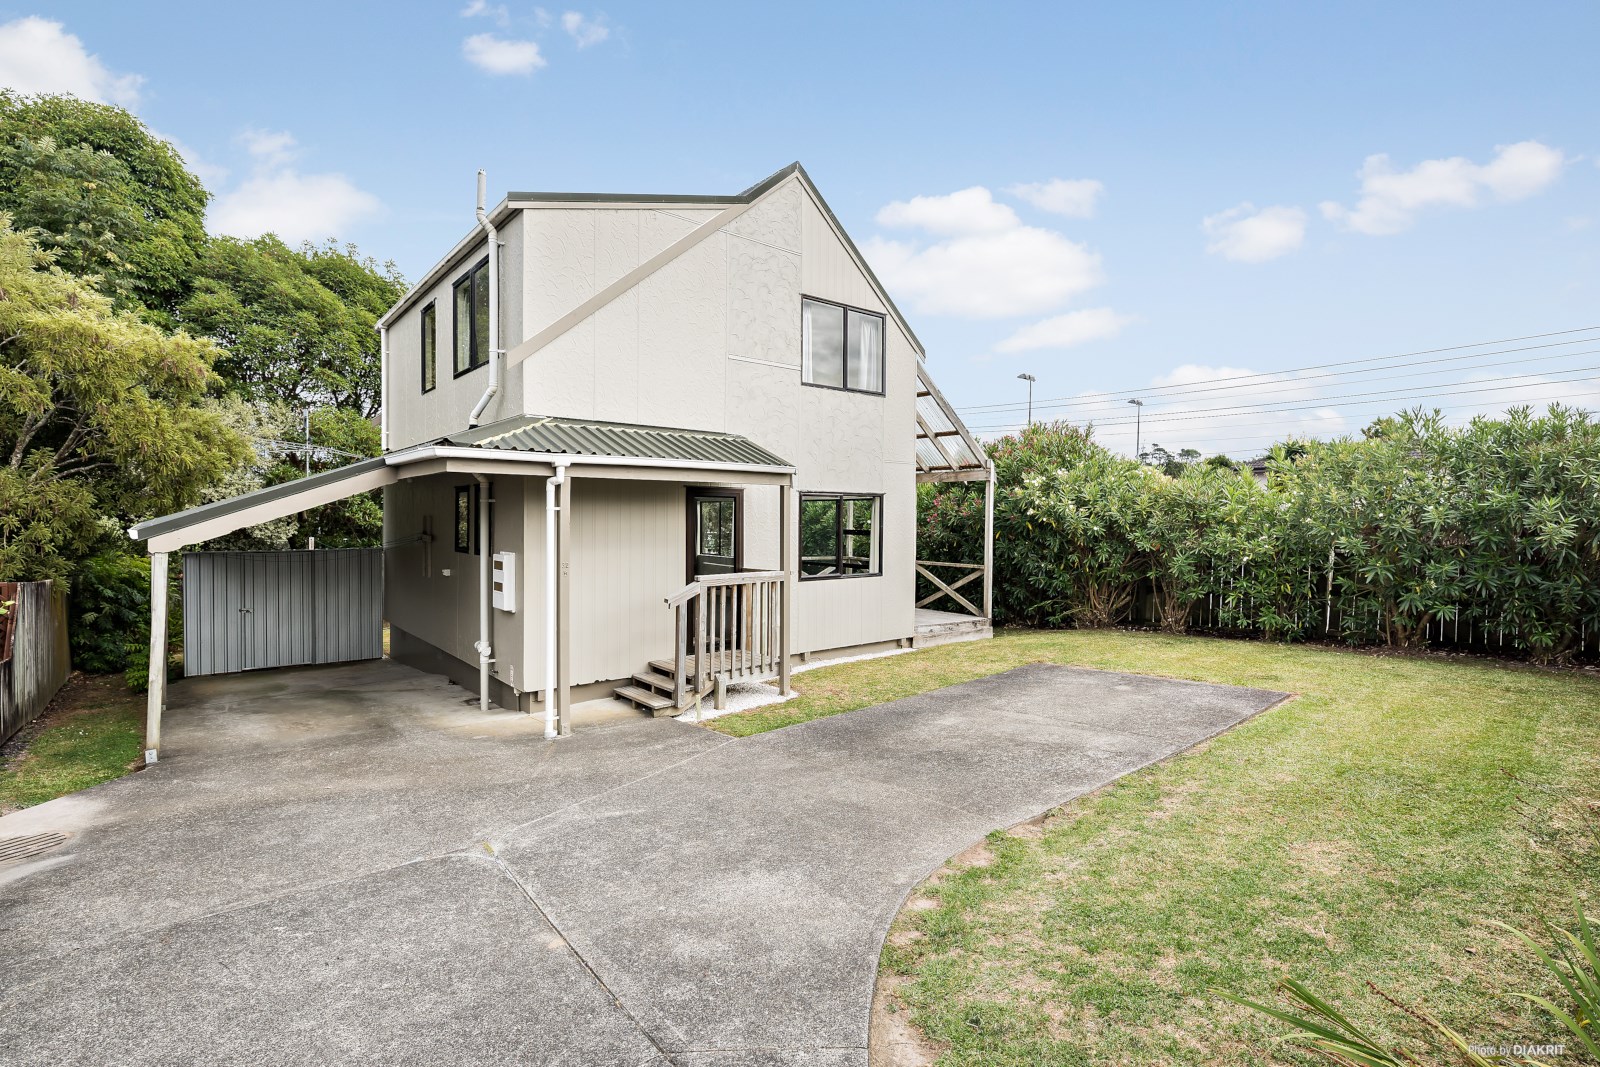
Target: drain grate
13, 849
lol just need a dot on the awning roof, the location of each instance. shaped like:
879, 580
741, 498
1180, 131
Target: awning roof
587, 437
946, 450
525, 438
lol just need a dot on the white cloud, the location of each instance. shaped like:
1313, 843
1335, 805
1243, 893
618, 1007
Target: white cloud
500, 55
296, 207
1021, 271
983, 262
483, 9
1076, 199
278, 199
208, 172
968, 211
585, 31
39, 56
1391, 199
269, 148
1250, 236
1064, 331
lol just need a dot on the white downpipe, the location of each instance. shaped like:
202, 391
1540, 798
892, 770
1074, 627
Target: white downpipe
551, 484
485, 594
383, 388
497, 354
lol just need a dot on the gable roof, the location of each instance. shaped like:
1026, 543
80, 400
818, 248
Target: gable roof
738, 201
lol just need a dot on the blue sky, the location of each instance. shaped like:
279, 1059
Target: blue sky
1090, 145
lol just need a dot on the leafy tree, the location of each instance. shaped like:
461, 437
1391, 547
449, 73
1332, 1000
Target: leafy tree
113, 199
297, 327
101, 416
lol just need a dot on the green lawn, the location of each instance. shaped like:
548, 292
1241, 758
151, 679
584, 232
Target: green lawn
1366, 830
92, 733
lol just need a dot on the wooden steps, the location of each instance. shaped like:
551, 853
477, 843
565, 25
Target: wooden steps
647, 699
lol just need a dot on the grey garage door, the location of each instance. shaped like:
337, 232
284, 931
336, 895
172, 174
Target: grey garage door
247, 610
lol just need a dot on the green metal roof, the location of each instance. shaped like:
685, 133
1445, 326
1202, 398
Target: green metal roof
588, 437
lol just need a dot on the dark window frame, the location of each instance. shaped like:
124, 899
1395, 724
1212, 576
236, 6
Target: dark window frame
839, 532
474, 349
883, 358
691, 520
471, 493
431, 307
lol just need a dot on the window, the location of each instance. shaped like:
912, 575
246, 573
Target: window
841, 348
464, 518
716, 526
471, 319
430, 348
839, 536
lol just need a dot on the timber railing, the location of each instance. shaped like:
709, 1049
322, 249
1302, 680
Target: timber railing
943, 588
728, 627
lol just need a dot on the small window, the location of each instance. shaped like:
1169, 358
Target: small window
839, 536
430, 348
470, 318
841, 348
464, 517
716, 526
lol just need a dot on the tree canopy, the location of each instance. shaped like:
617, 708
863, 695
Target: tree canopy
102, 415
114, 200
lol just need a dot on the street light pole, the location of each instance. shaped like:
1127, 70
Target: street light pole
1138, 428
1029, 379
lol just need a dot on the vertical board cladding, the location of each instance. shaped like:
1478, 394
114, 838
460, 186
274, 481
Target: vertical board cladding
442, 608
35, 658
251, 610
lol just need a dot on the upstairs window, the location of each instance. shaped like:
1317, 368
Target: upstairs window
839, 536
841, 347
471, 303
430, 348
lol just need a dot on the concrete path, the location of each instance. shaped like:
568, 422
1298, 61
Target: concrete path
353, 865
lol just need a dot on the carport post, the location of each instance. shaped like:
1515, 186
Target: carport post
988, 544
563, 692
156, 691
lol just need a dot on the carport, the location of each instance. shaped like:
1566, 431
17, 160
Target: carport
562, 451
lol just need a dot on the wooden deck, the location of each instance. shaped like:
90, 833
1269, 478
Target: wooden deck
716, 662
946, 627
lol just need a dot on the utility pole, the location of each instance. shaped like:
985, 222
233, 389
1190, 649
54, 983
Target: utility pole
1029, 379
1138, 428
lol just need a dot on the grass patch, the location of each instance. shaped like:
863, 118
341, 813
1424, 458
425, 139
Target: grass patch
92, 732
1366, 830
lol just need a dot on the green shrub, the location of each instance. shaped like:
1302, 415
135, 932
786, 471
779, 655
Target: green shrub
110, 612
1492, 529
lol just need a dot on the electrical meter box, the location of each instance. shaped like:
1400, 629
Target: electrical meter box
505, 581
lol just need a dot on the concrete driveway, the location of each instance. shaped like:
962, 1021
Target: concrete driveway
353, 865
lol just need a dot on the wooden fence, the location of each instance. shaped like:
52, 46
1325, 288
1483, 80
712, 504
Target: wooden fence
34, 657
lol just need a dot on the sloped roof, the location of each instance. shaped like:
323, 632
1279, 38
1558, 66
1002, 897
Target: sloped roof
589, 437
946, 449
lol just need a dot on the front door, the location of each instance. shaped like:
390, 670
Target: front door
715, 531
716, 535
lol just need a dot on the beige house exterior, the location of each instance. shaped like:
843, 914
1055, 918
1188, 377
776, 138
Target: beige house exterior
620, 431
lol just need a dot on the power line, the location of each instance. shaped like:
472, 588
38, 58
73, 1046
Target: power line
1390, 395
1146, 391
1350, 380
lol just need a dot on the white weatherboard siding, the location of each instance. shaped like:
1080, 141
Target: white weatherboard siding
442, 609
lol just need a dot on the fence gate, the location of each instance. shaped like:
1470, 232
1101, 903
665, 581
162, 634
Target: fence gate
246, 610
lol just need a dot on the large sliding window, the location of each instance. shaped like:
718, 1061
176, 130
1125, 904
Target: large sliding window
840, 347
470, 302
430, 347
839, 536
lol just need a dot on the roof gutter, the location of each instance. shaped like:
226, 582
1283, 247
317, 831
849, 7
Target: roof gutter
497, 355
419, 453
